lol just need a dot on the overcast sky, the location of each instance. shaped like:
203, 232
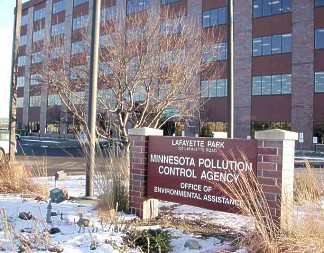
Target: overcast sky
6, 32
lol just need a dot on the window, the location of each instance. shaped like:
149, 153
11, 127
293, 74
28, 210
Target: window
34, 101
214, 52
172, 57
215, 17
78, 2
78, 47
135, 34
108, 13
213, 88
21, 61
23, 40
207, 128
136, 6
57, 29
273, 44
170, 26
58, 6
319, 38
263, 8
24, 20
57, 52
20, 102
80, 22
319, 3
104, 68
79, 72
53, 99
37, 57
77, 98
271, 85
106, 40
35, 79
38, 35
319, 82
39, 14
20, 81
140, 93
169, 1
107, 97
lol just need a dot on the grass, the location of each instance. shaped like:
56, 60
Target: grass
303, 232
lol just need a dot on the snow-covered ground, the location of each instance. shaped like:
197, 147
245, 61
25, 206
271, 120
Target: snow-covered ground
71, 240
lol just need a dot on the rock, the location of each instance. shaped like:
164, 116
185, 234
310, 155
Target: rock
25, 216
55, 248
192, 244
54, 230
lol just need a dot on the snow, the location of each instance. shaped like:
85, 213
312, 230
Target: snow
74, 241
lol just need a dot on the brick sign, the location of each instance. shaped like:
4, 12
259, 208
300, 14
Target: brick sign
189, 170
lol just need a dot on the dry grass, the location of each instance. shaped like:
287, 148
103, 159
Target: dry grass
15, 178
305, 230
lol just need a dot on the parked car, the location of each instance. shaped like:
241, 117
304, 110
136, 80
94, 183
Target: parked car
4, 143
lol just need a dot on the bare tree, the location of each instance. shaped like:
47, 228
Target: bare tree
149, 70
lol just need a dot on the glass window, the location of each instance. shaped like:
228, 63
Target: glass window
38, 35
20, 102
204, 89
23, 40
275, 84
257, 46
221, 87
213, 88
39, 14
163, 2
78, 2
21, 61
136, 6
106, 40
34, 101
266, 45
319, 81
20, 81
215, 17
319, 3
319, 38
263, 8
171, 26
58, 6
35, 79
57, 29
80, 22
37, 57
108, 13
24, 20
78, 47
214, 52
256, 85
104, 68
276, 44
53, 99
286, 43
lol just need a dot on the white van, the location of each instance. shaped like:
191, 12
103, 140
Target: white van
4, 143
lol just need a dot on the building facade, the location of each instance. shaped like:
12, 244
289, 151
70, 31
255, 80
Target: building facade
278, 62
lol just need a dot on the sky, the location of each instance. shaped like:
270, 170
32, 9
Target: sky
6, 32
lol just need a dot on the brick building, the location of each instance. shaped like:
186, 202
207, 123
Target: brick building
278, 62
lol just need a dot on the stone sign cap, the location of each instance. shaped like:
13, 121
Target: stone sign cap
276, 134
57, 195
145, 131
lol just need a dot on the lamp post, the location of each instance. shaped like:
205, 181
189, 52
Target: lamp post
230, 79
92, 108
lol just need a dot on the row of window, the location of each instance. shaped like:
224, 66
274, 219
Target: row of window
319, 3
271, 85
263, 8
273, 44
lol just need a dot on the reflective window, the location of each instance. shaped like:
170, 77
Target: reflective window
24, 20
214, 52
108, 13
170, 26
57, 29
106, 40
38, 35
271, 85
319, 81
20, 81
169, 1
319, 38
39, 14
80, 22
319, 3
36, 57
23, 40
20, 102
215, 17
136, 6
135, 34
53, 99
35, 79
104, 68
34, 101
263, 8
78, 47
275, 44
21, 61
78, 2
213, 88
58, 6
